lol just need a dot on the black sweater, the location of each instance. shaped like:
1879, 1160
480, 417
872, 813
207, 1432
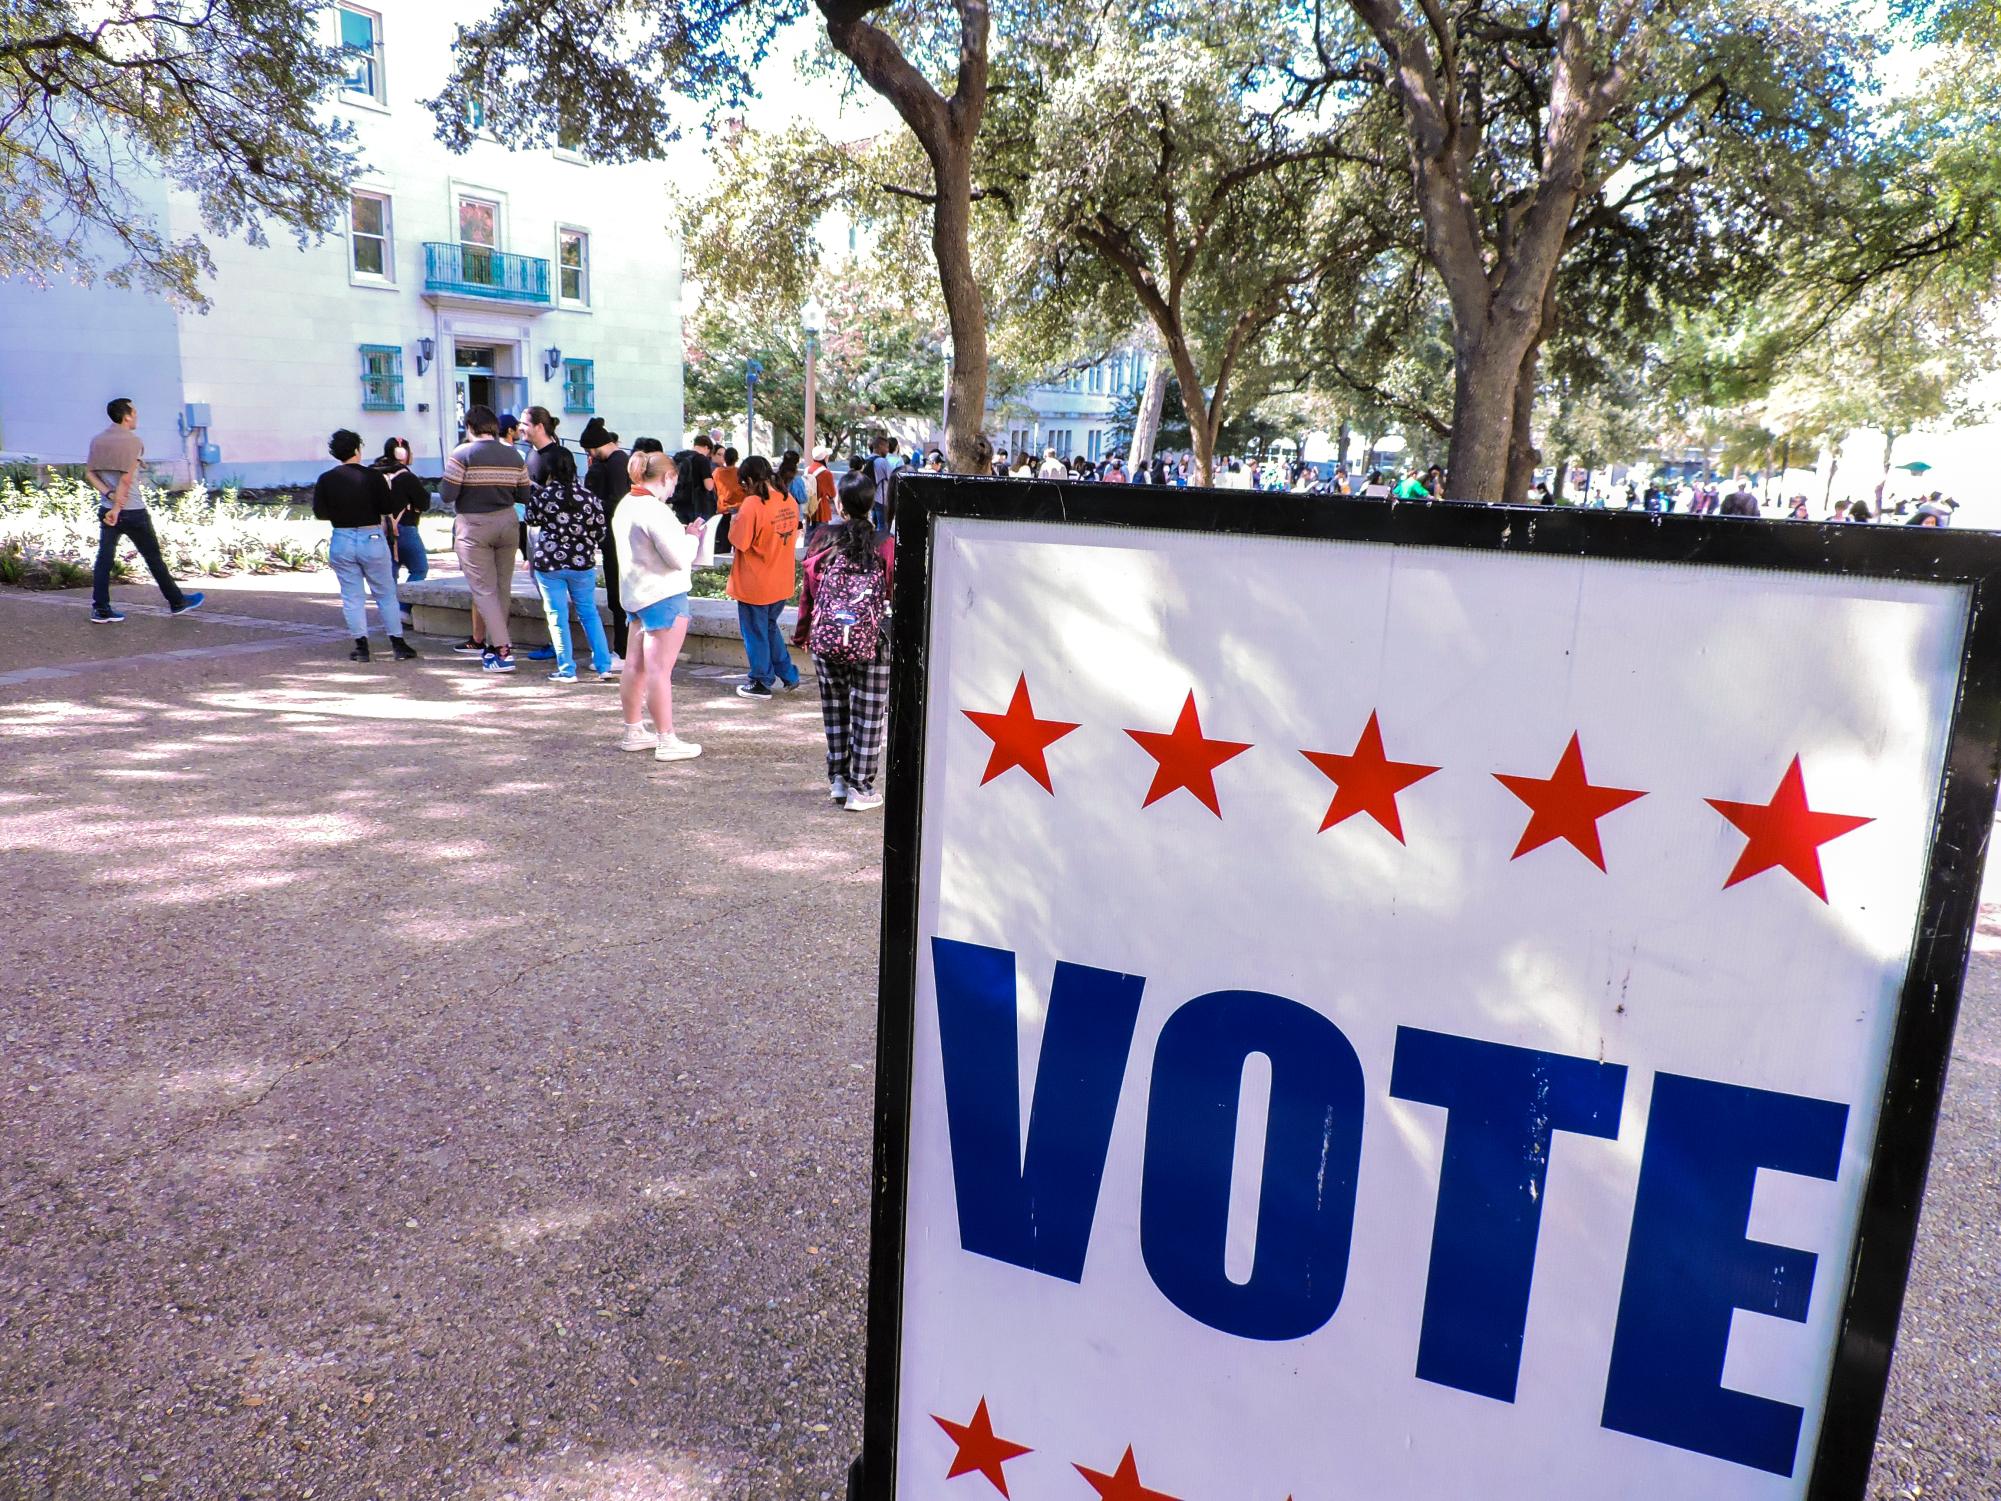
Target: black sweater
349, 495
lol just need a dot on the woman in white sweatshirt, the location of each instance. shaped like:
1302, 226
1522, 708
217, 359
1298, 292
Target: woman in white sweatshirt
655, 552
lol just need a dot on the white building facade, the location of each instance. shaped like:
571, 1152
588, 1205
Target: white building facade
1077, 413
498, 277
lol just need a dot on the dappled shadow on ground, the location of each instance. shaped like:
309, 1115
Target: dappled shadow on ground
409, 1095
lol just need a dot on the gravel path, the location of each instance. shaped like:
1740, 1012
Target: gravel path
405, 1095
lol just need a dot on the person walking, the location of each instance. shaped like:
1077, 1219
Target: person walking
843, 621
762, 531
656, 550
112, 469
360, 505
566, 529
729, 495
607, 478
484, 480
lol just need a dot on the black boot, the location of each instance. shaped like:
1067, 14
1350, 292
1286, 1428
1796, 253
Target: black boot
360, 652
405, 652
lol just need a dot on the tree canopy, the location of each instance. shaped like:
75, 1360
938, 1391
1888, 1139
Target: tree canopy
219, 97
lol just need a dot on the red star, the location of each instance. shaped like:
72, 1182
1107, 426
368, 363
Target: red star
1367, 781
1785, 833
979, 1449
1187, 758
1565, 805
1019, 737
1123, 1483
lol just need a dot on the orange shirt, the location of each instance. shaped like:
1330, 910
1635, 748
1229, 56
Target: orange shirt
821, 480
761, 537
729, 489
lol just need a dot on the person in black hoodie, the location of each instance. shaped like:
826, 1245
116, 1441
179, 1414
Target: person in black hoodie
608, 479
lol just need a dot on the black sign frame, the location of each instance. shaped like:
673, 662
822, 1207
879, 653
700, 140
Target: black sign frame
1928, 1002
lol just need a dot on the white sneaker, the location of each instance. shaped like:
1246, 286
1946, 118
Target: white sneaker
837, 791
638, 738
617, 666
674, 748
864, 802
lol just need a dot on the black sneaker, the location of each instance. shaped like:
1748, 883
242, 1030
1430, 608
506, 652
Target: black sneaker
470, 648
752, 690
360, 652
404, 651
105, 617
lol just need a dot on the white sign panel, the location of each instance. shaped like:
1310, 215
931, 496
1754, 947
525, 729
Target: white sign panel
1398, 1023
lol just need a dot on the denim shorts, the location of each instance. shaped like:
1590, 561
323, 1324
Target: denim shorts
662, 613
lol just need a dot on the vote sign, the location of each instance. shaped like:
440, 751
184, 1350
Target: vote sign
1391, 1002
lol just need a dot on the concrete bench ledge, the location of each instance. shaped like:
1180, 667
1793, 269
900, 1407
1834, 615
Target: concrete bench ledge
443, 607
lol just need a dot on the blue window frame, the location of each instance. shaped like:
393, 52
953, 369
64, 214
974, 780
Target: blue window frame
580, 392
381, 378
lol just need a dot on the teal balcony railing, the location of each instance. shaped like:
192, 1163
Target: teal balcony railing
474, 271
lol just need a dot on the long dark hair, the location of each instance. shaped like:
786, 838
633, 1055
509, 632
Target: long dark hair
788, 469
854, 538
755, 476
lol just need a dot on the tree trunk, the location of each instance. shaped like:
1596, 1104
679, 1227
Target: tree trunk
1523, 456
1833, 463
1483, 423
946, 129
1344, 439
1562, 474
965, 303
1146, 421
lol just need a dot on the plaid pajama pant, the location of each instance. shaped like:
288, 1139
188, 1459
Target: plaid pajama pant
854, 710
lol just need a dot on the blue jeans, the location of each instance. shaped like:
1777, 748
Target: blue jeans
360, 558
764, 644
576, 587
411, 556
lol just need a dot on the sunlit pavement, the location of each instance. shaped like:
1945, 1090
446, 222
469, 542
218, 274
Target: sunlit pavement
408, 1095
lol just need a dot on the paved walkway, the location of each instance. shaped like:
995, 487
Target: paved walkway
406, 1095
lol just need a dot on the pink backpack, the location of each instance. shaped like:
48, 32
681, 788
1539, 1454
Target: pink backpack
849, 607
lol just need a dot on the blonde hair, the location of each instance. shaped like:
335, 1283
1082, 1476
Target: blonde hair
650, 468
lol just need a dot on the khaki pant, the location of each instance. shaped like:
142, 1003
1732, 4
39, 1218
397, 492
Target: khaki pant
486, 543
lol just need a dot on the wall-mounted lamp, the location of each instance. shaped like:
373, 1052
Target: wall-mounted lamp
552, 361
426, 348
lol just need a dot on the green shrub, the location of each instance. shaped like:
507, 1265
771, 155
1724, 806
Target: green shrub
52, 532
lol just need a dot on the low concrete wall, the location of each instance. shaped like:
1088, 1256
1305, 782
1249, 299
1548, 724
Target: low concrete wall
443, 607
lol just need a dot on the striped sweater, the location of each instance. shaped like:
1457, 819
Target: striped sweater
484, 475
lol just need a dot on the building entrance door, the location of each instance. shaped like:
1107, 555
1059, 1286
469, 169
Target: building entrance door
480, 380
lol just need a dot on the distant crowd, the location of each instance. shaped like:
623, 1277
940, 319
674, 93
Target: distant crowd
647, 518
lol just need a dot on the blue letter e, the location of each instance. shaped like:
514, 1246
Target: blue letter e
1031, 1210
1689, 1266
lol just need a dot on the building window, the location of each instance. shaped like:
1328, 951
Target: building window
381, 378
1097, 380
475, 115
1097, 443
361, 40
579, 386
368, 236
573, 266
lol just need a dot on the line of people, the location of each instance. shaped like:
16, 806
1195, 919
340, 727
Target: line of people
649, 517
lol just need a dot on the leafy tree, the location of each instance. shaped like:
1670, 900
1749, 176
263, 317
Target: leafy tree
598, 74
874, 363
220, 97
1528, 127
1170, 161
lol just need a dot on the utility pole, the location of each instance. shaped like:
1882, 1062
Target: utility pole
752, 369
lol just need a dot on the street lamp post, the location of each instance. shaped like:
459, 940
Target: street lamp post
812, 319
752, 369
